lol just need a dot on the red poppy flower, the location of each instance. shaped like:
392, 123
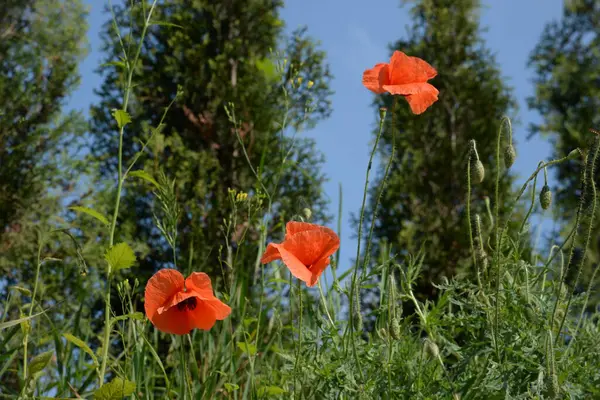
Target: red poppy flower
406, 76
175, 305
305, 250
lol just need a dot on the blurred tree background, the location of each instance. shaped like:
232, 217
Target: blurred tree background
566, 64
424, 201
218, 53
41, 46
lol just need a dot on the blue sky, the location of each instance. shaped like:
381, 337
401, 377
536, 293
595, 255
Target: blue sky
355, 34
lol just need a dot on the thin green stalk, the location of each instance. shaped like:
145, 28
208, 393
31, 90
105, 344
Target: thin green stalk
113, 225
353, 296
497, 237
35, 288
386, 174
325, 306
469, 221
588, 236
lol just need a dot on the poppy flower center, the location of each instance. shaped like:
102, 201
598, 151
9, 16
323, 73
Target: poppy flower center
188, 304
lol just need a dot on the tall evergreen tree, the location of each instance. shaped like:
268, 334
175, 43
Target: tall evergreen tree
566, 63
218, 53
41, 45
424, 201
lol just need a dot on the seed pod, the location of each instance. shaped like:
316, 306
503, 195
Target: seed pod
509, 155
357, 315
545, 197
395, 329
482, 258
431, 349
477, 171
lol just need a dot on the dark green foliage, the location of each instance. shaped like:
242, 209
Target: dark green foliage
566, 64
218, 55
41, 45
424, 202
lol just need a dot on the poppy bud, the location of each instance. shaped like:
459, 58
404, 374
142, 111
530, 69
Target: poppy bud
574, 154
382, 113
395, 329
477, 171
481, 258
357, 316
509, 155
307, 213
382, 333
545, 197
431, 349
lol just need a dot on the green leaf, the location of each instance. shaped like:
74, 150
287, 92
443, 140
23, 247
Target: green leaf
91, 213
247, 348
231, 387
82, 345
39, 362
136, 315
270, 390
122, 117
14, 322
170, 24
23, 290
145, 176
120, 256
115, 390
119, 64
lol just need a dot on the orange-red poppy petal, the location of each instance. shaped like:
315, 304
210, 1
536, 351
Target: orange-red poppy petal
203, 317
161, 287
271, 254
174, 300
174, 321
317, 269
220, 309
293, 227
405, 69
374, 78
199, 283
311, 246
419, 95
421, 101
296, 267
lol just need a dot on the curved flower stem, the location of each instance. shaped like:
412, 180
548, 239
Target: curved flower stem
325, 305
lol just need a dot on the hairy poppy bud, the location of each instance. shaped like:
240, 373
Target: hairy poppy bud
477, 171
482, 258
357, 316
574, 154
382, 113
395, 329
545, 197
509, 155
431, 349
307, 213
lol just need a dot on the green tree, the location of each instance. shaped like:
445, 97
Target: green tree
219, 54
41, 45
424, 201
566, 64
